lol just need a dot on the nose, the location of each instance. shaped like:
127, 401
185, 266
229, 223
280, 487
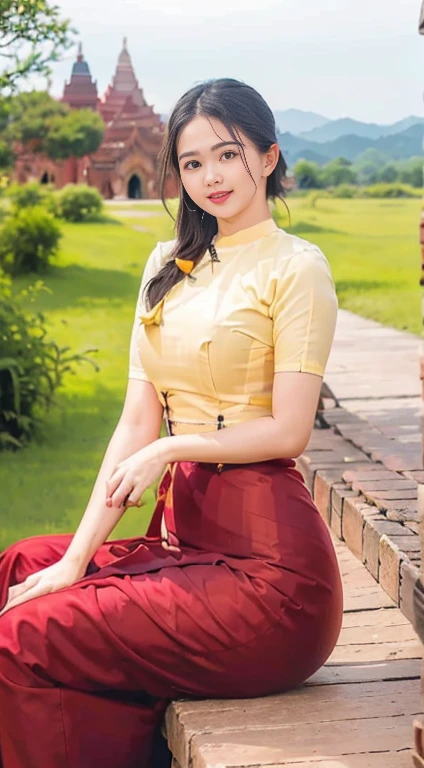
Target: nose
212, 175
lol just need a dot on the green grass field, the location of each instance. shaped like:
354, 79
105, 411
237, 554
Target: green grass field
373, 248
375, 257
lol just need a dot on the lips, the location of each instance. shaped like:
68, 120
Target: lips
219, 197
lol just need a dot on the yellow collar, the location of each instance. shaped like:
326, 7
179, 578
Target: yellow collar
247, 235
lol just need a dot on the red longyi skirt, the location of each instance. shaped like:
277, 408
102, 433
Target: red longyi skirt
249, 603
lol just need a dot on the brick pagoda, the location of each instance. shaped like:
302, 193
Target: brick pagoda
126, 161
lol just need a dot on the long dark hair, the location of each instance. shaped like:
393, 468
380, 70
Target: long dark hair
239, 107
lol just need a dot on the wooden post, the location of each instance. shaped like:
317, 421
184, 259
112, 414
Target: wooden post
418, 754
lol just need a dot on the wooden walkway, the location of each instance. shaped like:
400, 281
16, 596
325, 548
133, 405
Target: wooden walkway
356, 712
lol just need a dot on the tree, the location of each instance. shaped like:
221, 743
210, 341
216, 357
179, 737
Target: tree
6, 155
338, 171
372, 155
38, 123
388, 173
77, 134
307, 174
366, 173
30, 117
412, 173
32, 36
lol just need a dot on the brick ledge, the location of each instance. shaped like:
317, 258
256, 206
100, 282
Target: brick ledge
366, 502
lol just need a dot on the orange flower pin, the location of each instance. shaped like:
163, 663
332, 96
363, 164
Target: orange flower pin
185, 265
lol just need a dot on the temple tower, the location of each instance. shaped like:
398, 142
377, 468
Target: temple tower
81, 91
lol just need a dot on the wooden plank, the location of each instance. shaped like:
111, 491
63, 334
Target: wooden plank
367, 653
381, 760
360, 578
380, 634
251, 746
397, 669
366, 598
382, 617
395, 697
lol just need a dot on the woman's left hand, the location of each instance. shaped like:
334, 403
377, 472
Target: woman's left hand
134, 475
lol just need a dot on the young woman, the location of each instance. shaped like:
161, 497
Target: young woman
235, 590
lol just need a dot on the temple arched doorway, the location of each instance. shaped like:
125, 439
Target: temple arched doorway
45, 178
134, 187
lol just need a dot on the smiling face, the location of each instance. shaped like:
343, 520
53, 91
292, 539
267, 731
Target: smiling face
216, 178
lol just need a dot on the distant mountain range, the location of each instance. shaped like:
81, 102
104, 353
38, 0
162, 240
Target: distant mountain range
348, 127
314, 137
296, 121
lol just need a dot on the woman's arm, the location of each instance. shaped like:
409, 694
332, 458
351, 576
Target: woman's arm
285, 434
138, 426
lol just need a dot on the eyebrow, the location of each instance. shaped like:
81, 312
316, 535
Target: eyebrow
215, 146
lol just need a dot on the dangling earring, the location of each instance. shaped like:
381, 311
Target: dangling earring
201, 220
193, 210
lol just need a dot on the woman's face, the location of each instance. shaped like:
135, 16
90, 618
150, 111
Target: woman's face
211, 163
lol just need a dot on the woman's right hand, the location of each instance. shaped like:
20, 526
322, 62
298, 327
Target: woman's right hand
57, 576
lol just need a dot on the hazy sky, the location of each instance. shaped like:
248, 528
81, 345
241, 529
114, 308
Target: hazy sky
356, 58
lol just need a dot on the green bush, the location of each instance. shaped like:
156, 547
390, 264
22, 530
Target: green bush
79, 202
315, 195
32, 367
31, 194
345, 191
390, 190
29, 239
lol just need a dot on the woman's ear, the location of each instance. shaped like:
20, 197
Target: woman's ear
271, 159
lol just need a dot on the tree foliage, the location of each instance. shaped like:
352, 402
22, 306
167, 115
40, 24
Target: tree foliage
33, 35
29, 116
79, 202
307, 174
37, 122
29, 240
76, 134
32, 366
370, 169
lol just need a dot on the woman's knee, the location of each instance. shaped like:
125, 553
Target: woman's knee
27, 556
21, 644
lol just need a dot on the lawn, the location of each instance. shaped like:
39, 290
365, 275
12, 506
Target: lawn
373, 248
94, 289
375, 257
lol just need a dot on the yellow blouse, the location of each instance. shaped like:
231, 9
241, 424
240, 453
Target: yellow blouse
211, 346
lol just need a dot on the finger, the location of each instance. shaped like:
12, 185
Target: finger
113, 482
22, 587
124, 489
38, 591
133, 500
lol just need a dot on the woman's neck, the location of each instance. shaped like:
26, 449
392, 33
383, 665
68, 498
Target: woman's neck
246, 218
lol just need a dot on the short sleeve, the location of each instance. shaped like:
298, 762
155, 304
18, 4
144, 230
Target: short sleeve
304, 313
153, 265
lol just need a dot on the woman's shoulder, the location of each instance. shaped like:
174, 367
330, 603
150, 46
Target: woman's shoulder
296, 262
157, 258
294, 250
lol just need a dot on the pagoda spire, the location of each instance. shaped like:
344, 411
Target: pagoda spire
124, 80
81, 91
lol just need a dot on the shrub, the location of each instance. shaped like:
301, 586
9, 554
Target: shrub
315, 195
344, 190
31, 366
390, 190
31, 194
79, 202
29, 239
